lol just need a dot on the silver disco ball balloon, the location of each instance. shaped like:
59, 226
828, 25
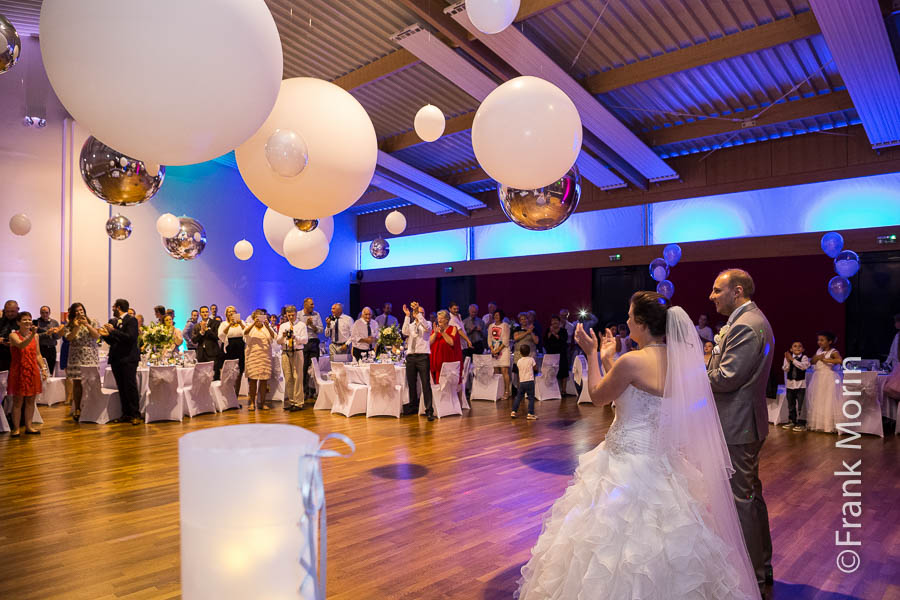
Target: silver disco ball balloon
544, 208
306, 224
10, 45
115, 177
189, 242
118, 227
379, 248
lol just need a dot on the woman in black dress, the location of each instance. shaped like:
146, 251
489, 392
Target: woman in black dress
557, 342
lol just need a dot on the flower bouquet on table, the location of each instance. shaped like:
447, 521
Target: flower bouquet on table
156, 338
390, 342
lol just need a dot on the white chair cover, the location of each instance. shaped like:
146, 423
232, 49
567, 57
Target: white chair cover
53, 391
198, 397
466, 371
777, 407
165, 401
445, 395
546, 386
385, 394
580, 375
223, 390
4, 424
486, 385
862, 387
327, 395
98, 405
190, 355
351, 397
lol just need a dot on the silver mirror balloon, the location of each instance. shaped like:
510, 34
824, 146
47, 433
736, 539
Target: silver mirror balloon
189, 242
10, 45
379, 248
286, 153
306, 225
115, 177
118, 227
543, 208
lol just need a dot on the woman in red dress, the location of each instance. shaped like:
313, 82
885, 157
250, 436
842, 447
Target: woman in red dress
24, 373
445, 346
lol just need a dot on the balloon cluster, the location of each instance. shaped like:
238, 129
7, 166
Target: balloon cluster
303, 242
659, 270
182, 238
846, 265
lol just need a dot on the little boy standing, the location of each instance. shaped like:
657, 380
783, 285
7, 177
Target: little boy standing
527, 368
795, 365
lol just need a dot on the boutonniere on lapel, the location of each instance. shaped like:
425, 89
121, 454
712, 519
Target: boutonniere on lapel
119, 323
720, 337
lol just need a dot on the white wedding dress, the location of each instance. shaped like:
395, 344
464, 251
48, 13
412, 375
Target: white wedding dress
634, 525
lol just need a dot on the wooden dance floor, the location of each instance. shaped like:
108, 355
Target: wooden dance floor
422, 511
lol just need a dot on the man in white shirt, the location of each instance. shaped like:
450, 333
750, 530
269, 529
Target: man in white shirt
314, 328
337, 328
703, 328
456, 321
292, 335
489, 317
417, 330
364, 334
386, 319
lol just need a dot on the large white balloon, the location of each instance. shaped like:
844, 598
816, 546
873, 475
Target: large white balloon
276, 226
167, 225
243, 250
395, 222
492, 16
20, 224
306, 250
190, 81
429, 123
527, 133
341, 144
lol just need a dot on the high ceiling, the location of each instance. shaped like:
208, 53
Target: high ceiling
684, 76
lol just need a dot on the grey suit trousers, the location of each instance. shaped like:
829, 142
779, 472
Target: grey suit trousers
751, 507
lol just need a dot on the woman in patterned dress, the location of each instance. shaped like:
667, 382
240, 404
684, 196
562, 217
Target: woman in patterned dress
82, 334
24, 373
259, 336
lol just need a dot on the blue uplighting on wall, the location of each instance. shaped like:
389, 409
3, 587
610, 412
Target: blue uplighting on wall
855, 204
698, 219
422, 249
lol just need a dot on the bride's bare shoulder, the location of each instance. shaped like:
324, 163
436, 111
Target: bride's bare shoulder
647, 368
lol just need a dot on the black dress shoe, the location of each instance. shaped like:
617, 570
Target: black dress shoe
136, 420
410, 411
431, 417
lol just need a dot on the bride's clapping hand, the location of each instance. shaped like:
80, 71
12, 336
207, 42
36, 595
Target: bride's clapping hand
587, 341
607, 345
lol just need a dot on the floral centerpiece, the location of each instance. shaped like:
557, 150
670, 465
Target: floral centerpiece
156, 338
390, 340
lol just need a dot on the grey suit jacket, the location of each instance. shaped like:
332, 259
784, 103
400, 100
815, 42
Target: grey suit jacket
738, 375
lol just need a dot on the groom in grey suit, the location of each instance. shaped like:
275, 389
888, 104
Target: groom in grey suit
738, 372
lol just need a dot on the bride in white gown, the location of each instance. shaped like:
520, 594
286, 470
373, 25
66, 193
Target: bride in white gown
650, 512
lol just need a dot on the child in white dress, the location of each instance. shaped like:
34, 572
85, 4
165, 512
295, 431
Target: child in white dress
825, 387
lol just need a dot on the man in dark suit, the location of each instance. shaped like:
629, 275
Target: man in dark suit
121, 333
205, 336
738, 372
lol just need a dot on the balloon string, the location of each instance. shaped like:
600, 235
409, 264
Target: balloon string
590, 33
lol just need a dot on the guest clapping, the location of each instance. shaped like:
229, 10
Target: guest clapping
24, 373
364, 334
445, 345
48, 331
418, 332
206, 337
231, 334
259, 336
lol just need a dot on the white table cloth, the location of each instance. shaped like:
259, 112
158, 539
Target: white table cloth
359, 374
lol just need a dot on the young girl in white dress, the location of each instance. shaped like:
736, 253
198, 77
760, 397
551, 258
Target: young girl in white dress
824, 394
650, 512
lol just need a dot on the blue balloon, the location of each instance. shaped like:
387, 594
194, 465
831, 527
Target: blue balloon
672, 254
832, 243
839, 288
659, 270
665, 288
846, 264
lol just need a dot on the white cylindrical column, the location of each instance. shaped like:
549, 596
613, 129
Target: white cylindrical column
243, 524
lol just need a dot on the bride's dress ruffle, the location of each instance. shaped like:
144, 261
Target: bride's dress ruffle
627, 527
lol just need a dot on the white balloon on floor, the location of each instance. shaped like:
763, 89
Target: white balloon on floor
429, 123
20, 224
341, 144
395, 222
230, 553
306, 250
190, 81
276, 226
243, 250
492, 16
168, 225
527, 133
